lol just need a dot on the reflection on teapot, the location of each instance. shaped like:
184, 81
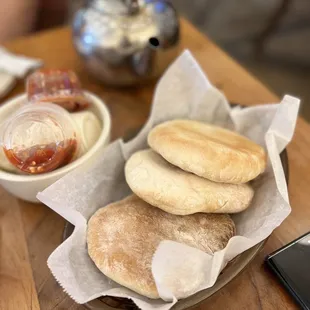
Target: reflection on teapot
126, 42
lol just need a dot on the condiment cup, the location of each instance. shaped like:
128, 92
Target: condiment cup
26, 187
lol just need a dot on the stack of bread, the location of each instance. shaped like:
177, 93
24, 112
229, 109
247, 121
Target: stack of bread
185, 187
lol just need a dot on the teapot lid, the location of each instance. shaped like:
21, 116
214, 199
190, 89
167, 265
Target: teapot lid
114, 27
117, 7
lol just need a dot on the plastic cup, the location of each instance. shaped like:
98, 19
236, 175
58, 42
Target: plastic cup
40, 138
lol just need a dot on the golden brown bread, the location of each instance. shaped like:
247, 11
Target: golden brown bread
123, 236
176, 191
211, 152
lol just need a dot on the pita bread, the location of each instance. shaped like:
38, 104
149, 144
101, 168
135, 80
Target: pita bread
208, 151
123, 237
176, 191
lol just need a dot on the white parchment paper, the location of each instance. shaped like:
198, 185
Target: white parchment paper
179, 271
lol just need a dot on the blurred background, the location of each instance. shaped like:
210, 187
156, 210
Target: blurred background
270, 38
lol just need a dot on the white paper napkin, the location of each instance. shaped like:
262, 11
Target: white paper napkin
7, 82
17, 65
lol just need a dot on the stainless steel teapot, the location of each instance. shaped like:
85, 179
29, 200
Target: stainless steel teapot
126, 42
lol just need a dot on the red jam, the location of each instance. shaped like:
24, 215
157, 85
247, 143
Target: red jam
61, 87
43, 158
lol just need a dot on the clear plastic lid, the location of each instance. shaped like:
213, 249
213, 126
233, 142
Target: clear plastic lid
40, 138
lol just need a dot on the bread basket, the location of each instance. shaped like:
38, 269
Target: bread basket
234, 268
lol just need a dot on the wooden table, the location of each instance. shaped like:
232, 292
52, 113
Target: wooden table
29, 232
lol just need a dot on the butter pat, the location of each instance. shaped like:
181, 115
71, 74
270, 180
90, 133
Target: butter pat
89, 129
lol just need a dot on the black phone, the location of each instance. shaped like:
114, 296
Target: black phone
291, 264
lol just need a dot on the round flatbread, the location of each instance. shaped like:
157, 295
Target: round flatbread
123, 237
217, 154
176, 191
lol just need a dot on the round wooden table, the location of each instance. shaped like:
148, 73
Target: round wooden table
30, 232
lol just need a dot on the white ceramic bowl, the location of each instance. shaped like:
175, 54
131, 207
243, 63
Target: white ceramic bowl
26, 187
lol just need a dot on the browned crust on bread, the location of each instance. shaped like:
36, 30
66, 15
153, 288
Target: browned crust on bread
215, 153
123, 236
176, 191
